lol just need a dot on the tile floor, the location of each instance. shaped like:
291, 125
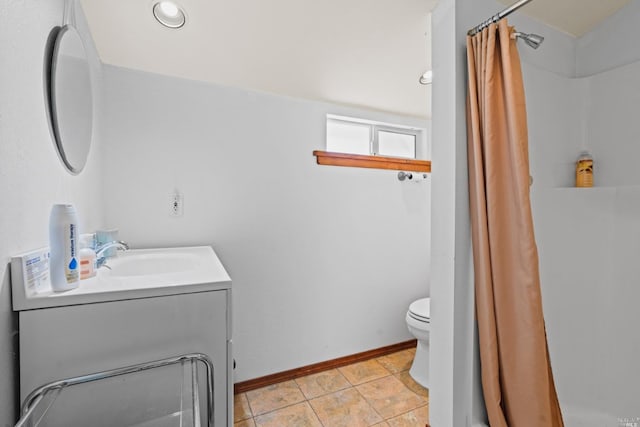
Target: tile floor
378, 392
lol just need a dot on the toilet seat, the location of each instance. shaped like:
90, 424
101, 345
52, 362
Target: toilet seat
420, 310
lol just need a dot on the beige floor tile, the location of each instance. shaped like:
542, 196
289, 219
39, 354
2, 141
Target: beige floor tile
274, 397
345, 408
382, 424
397, 362
322, 383
245, 423
389, 397
241, 410
363, 372
298, 415
417, 417
412, 384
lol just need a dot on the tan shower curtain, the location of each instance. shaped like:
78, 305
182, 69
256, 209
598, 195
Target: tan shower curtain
516, 373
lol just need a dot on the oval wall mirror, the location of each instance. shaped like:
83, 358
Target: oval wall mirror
71, 99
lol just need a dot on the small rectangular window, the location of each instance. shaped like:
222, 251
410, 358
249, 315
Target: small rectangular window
358, 136
345, 137
396, 144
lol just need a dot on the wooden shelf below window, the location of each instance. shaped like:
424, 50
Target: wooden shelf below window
374, 162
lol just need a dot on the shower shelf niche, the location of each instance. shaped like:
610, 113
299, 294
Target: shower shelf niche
586, 193
598, 188
595, 188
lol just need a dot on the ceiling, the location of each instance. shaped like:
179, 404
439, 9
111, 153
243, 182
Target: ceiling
367, 53
364, 53
574, 17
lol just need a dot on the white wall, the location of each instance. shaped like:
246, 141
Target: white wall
32, 178
324, 260
613, 133
451, 290
612, 124
620, 343
588, 238
598, 230
610, 61
611, 44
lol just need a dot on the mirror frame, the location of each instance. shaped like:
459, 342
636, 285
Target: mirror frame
72, 152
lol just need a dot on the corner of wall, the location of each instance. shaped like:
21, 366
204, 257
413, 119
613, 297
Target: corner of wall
453, 378
610, 44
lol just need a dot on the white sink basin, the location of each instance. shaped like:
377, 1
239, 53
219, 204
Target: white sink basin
136, 273
145, 263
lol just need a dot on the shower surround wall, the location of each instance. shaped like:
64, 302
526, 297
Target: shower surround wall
324, 260
32, 178
589, 239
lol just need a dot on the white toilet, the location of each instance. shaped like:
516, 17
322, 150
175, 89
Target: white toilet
419, 323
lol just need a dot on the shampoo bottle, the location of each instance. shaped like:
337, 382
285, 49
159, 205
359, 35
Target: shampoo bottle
584, 170
63, 241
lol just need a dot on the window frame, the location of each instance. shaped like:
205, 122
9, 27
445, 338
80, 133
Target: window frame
377, 161
400, 131
375, 127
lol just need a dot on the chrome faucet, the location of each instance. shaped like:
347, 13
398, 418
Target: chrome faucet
101, 249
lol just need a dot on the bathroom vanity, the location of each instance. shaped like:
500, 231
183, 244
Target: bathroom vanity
145, 305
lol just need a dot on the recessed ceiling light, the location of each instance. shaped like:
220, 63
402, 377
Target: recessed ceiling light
169, 14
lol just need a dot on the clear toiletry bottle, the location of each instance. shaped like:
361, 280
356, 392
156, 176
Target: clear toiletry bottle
87, 256
63, 245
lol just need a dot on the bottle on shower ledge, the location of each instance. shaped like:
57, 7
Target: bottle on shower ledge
584, 170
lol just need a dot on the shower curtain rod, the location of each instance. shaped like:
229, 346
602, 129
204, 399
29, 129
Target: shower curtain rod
495, 18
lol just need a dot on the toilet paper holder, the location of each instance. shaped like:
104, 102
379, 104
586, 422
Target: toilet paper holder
412, 176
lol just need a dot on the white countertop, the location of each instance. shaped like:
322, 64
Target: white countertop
137, 273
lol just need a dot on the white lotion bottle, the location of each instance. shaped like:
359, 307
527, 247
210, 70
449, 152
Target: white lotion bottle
63, 241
